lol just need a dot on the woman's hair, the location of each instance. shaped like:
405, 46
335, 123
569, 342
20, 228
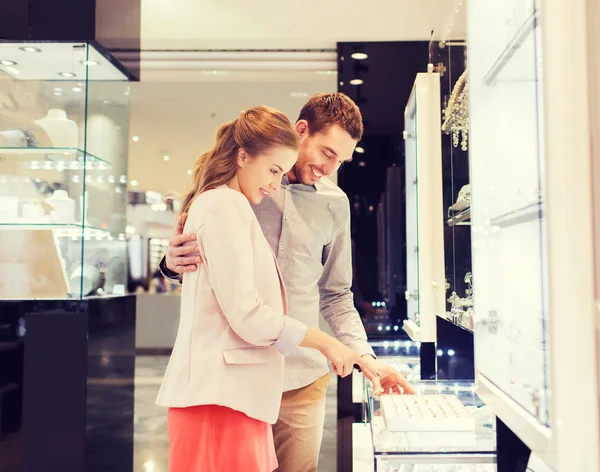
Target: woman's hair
256, 130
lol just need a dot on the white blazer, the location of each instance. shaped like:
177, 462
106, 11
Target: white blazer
233, 329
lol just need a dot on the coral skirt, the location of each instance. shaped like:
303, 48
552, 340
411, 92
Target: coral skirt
212, 438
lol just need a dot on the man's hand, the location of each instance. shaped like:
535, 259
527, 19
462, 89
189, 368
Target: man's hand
183, 253
391, 380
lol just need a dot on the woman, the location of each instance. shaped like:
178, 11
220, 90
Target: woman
223, 385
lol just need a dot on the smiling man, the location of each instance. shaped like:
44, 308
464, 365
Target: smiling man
307, 224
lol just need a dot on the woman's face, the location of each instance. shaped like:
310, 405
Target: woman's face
260, 175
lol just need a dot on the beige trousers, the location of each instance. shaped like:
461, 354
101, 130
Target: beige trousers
299, 428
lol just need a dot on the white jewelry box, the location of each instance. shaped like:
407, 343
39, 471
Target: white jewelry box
425, 413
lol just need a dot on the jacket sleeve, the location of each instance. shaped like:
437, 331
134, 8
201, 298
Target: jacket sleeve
226, 240
168, 273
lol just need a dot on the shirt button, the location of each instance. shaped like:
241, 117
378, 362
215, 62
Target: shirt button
288, 188
285, 217
281, 247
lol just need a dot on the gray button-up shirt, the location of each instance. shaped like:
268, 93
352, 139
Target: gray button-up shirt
308, 228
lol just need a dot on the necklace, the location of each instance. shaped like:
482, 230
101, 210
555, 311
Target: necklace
456, 114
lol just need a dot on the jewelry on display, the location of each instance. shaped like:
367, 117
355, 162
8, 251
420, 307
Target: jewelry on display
456, 114
425, 413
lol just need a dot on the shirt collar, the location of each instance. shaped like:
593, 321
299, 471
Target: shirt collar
285, 181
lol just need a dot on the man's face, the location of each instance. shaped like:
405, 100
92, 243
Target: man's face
321, 153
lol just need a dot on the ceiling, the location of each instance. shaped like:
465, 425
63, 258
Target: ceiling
184, 97
272, 24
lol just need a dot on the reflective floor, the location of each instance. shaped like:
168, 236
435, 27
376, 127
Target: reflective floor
150, 437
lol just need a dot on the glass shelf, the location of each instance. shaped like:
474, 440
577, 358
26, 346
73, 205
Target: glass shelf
54, 158
521, 35
460, 219
532, 212
481, 442
72, 230
448, 317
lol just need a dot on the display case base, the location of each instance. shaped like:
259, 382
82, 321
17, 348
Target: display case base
512, 453
455, 352
72, 366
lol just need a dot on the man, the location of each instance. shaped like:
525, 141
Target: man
307, 224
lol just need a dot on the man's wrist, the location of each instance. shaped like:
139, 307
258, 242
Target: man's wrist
167, 272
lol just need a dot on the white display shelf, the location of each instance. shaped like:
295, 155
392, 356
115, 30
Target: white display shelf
49, 158
460, 219
424, 208
412, 329
73, 230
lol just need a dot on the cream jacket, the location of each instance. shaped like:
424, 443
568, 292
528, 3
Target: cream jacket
233, 328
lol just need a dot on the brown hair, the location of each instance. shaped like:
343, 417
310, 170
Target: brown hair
326, 109
256, 130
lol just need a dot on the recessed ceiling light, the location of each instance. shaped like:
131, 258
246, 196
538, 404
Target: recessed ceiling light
127, 93
299, 94
30, 49
58, 93
166, 158
327, 72
5, 62
58, 89
359, 149
189, 172
215, 72
134, 183
136, 138
359, 56
107, 102
76, 89
90, 63
356, 82
66, 74
12, 70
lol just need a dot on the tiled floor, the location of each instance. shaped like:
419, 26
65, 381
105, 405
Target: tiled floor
151, 443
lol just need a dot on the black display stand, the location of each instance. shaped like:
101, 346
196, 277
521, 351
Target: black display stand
427, 355
67, 371
455, 352
512, 453
348, 413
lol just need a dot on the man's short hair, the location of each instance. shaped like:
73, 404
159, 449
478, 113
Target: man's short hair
326, 109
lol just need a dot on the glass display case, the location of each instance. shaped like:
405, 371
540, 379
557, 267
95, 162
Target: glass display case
532, 227
508, 221
64, 127
440, 445
425, 295
448, 54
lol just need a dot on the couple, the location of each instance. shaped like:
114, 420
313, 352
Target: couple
259, 215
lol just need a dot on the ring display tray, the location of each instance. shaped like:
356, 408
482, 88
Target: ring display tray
425, 413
